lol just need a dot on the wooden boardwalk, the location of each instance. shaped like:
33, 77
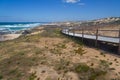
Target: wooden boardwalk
96, 37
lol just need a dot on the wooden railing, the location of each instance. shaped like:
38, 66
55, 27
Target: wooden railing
96, 34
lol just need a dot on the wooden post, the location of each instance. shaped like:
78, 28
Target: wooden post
73, 32
68, 31
82, 34
65, 30
96, 41
119, 43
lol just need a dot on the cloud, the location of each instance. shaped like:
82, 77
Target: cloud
78, 2
71, 1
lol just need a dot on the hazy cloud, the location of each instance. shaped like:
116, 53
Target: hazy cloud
71, 1
78, 2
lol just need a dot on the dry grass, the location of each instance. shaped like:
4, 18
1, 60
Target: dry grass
51, 56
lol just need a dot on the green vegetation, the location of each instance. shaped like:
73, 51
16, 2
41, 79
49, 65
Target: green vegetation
82, 68
32, 76
38, 51
103, 54
80, 51
96, 56
58, 48
48, 78
29, 38
115, 59
110, 63
76, 40
61, 45
104, 63
1, 77
87, 73
62, 65
97, 74
112, 69
56, 51
92, 64
22, 53
52, 33
13, 71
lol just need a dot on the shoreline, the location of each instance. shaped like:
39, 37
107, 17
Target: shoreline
12, 36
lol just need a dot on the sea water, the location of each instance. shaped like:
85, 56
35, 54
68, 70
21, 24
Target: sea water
12, 27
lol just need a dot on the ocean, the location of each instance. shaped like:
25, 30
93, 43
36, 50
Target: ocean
13, 27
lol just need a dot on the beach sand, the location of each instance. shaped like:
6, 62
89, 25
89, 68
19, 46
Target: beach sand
9, 37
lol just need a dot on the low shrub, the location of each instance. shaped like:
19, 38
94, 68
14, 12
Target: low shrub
80, 51
96, 74
1, 77
32, 76
82, 68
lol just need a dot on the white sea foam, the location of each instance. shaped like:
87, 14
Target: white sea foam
20, 25
16, 27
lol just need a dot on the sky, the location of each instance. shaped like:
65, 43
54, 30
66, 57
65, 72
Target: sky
57, 10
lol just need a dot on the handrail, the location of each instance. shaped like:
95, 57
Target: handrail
95, 37
93, 30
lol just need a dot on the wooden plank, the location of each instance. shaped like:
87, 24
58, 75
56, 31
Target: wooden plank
82, 35
96, 41
65, 31
110, 30
110, 39
95, 30
119, 42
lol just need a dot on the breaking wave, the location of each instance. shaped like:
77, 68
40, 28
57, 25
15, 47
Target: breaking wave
13, 27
